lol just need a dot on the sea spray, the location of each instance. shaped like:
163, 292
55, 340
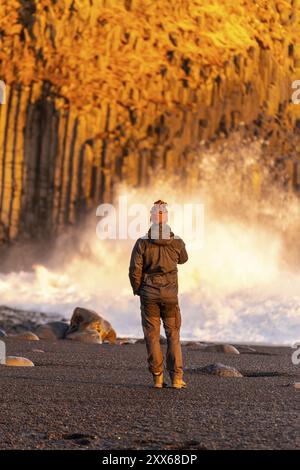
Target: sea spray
242, 284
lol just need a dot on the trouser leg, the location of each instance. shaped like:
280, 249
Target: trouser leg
172, 321
151, 328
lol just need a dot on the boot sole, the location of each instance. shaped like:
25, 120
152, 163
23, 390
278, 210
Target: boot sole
178, 387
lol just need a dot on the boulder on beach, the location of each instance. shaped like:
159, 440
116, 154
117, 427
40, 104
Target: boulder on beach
84, 319
2, 333
26, 335
52, 331
221, 348
15, 361
220, 370
86, 336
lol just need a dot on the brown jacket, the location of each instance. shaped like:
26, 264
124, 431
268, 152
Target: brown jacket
153, 266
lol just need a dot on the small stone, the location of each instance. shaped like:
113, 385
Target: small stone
220, 370
221, 348
26, 335
16, 361
2, 334
38, 350
297, 385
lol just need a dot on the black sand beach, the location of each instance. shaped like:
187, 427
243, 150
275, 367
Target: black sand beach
81, 396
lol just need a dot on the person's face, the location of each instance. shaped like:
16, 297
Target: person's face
159, 218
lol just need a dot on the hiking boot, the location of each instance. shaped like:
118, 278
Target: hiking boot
159, 381
178, 383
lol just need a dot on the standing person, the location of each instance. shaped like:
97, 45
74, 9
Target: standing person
153, 276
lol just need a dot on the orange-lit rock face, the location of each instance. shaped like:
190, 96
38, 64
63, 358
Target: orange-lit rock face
103, 91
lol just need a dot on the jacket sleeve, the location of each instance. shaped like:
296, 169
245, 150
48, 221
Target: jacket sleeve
183, 256
136, 267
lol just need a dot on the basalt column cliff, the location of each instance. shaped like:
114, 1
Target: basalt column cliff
102, 91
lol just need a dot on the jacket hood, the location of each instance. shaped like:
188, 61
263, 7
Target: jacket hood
160, 234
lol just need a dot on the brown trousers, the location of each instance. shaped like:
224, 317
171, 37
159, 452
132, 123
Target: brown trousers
152, 313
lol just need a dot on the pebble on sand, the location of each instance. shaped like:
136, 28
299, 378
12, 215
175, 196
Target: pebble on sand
220, 370
16, 361
26, 335
221, 348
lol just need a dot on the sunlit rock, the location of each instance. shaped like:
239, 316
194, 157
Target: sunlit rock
15, 361
26, 335
158, 87
84, 319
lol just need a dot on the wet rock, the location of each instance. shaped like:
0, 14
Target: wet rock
221, 348
2, 333
15, 361
26, 335
86, 336
16, 321
52, 331
220, 370
84, 319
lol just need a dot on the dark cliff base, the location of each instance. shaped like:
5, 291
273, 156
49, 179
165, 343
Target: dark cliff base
98, 396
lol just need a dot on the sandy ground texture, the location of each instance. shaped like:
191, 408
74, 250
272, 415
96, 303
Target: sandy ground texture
81, 396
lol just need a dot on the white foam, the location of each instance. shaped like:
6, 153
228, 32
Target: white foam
237, 287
